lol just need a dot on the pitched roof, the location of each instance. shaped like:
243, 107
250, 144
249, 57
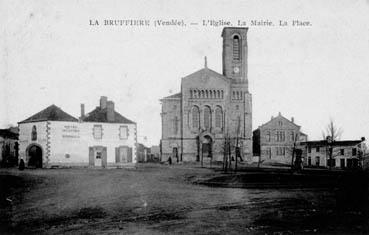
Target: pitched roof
7, 133
175, 96
335, 143
278, 117
100, 115
206, 71
51, 113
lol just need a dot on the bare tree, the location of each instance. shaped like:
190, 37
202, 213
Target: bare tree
331, 133
227, 152
293, 148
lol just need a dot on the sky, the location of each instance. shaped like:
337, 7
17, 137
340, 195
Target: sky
51, 54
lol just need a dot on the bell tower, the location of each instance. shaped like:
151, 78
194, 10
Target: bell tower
235, 54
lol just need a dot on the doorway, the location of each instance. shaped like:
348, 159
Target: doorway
175, 153
34, 154
98, 156
207, 147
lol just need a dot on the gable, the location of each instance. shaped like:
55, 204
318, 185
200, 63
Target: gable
276, 121
51, 113
205, 78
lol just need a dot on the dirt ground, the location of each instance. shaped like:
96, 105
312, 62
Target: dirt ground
161, 199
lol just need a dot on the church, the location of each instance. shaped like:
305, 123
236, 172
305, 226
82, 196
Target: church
211, 107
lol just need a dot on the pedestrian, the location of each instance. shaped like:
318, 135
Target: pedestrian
21, 165
170, 160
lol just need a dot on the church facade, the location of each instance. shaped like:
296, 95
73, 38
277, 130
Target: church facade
210, 108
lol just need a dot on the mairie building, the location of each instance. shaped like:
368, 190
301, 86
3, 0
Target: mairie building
101, 138
211, 107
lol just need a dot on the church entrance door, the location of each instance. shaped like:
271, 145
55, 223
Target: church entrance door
207, 147
175, 154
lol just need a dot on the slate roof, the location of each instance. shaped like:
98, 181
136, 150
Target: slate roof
100, 115
335, 143
206, 71
6, 133
175, 96
51, 113
280, 116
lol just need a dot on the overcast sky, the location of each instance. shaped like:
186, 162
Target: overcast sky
50, 54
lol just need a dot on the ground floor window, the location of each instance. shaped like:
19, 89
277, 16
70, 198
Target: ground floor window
331, 162
280, 151
317, 161
309, 161
342, 163
123, 154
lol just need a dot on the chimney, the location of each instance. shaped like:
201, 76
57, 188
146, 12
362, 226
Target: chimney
110, 113
82, 110
103, 101
292, 119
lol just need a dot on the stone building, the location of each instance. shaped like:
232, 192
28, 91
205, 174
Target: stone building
210, 107
274, 141
8, 147
101, 138
345, 153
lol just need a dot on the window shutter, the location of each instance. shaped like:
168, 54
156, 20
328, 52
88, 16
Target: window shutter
91, 156
117, 155
104, 157
129, 155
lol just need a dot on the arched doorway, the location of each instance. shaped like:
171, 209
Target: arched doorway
175, 154
207, 147
34, 154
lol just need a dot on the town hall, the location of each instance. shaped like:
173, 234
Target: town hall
210, 108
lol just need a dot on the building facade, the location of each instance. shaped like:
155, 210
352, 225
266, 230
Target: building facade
9, 147
275, 140
210, 107
344, 153
101, 138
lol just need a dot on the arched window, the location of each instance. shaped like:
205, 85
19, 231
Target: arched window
211, 94
221, 92
236, 47
207, 117
195, 117
202, 94
218, 94
34, 133
218, 117
191, 94
207, 94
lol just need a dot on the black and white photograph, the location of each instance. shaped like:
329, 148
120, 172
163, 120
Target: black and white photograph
184, 117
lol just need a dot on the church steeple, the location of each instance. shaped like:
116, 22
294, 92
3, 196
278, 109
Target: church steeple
206, 62
235, 54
